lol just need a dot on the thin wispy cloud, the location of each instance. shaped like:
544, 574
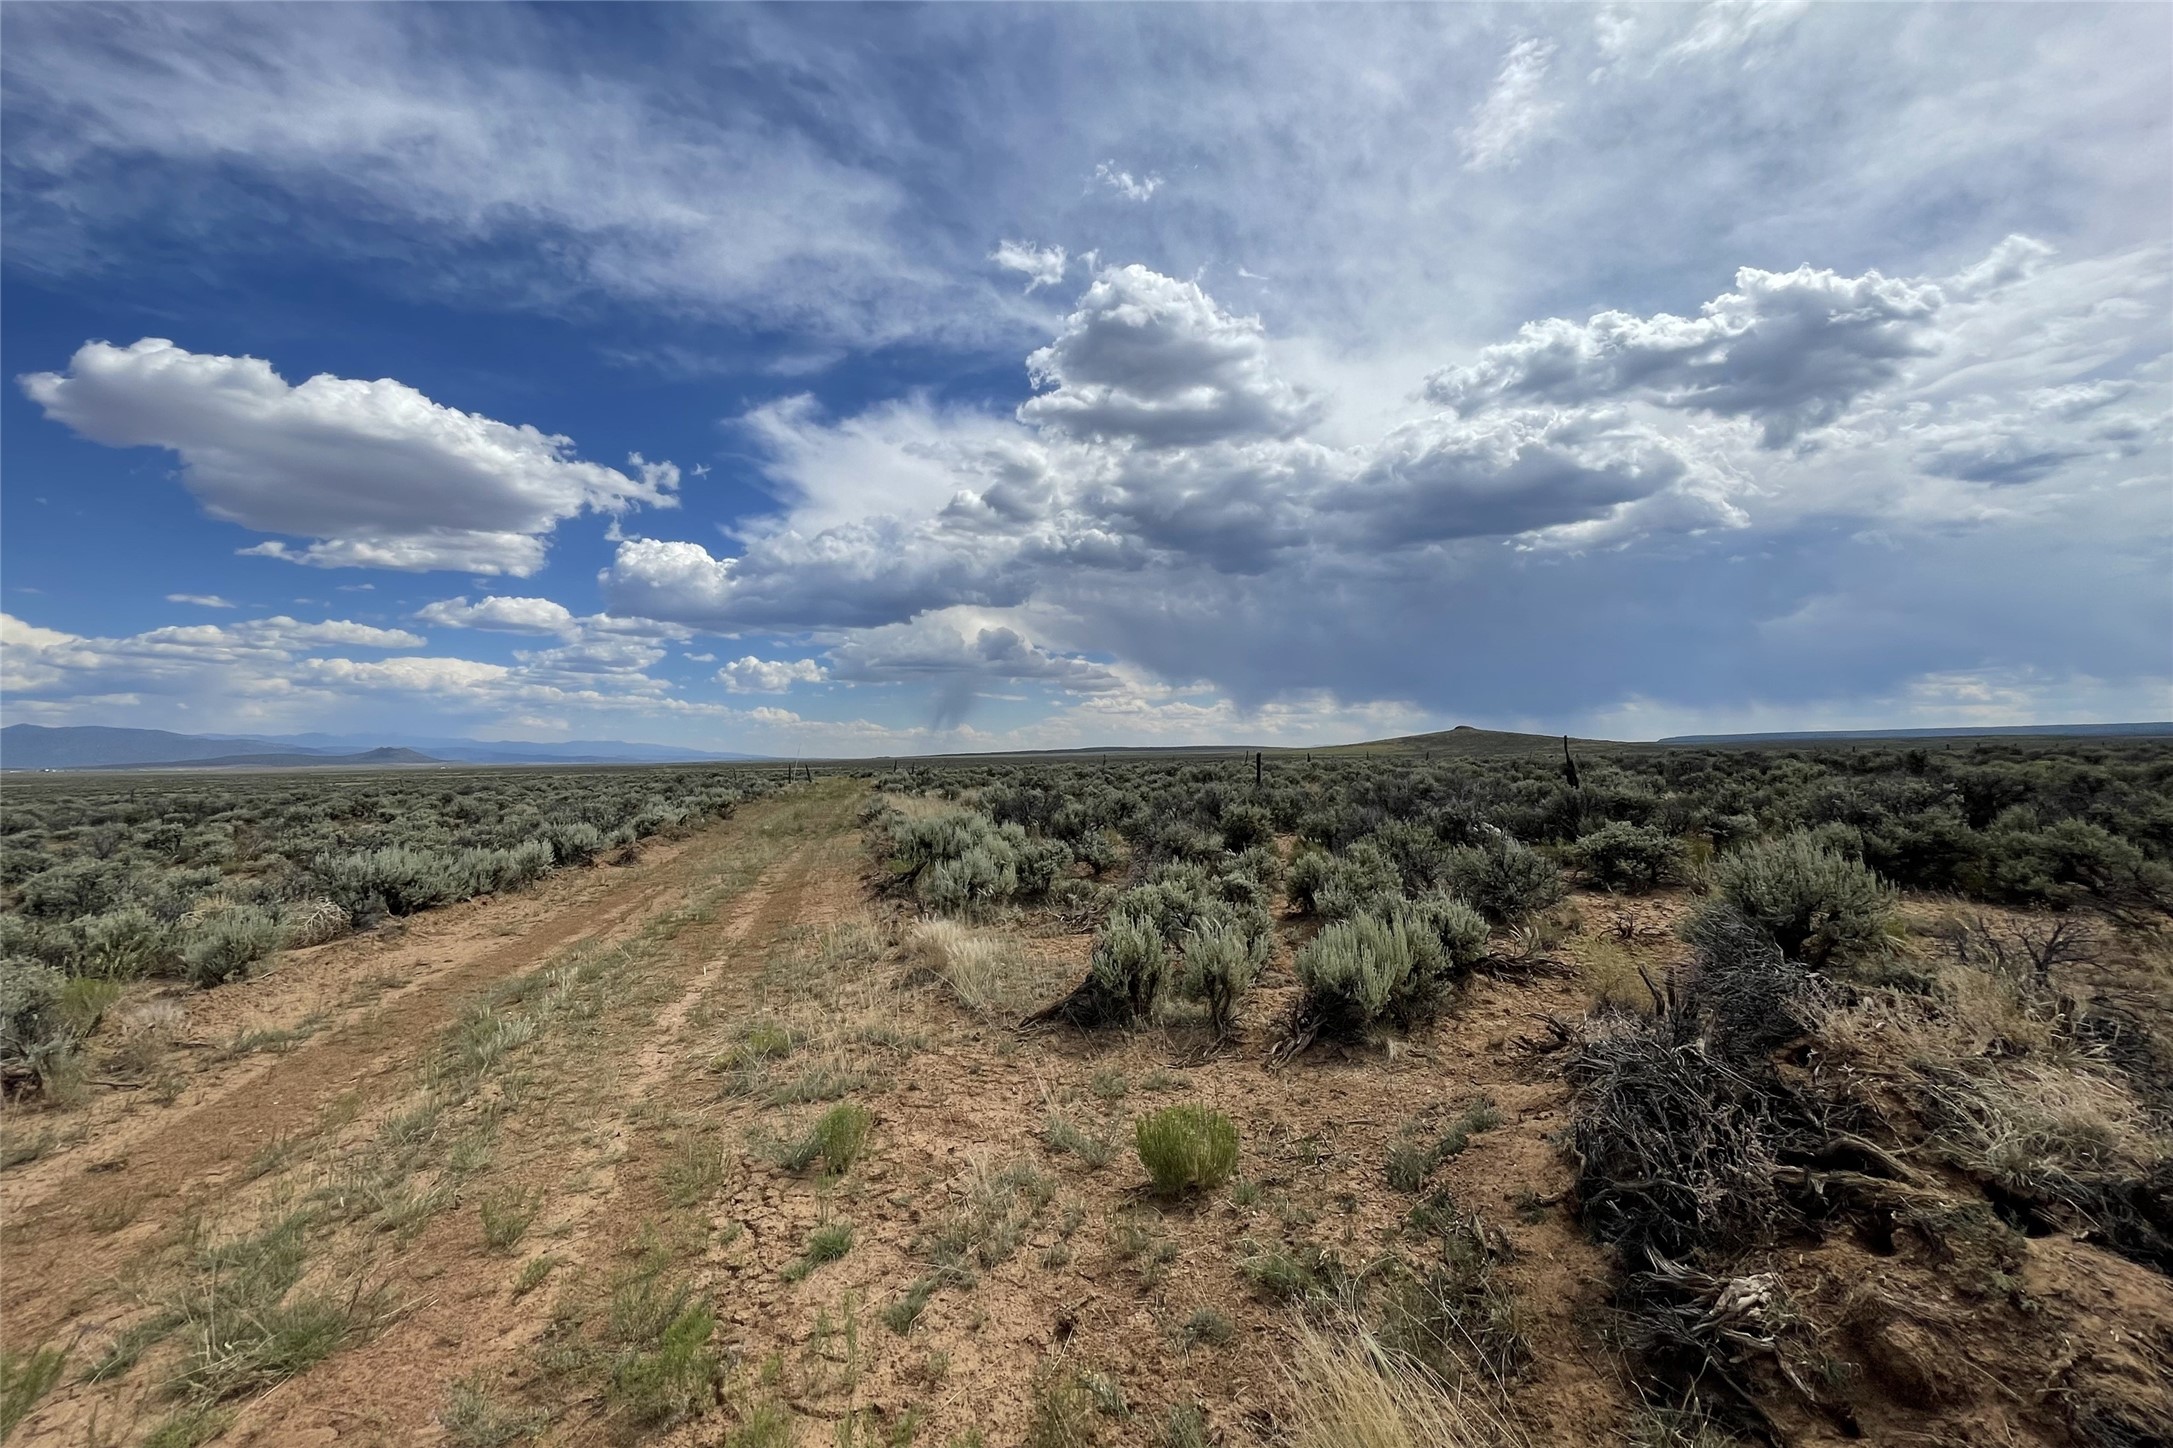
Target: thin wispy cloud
1515, 108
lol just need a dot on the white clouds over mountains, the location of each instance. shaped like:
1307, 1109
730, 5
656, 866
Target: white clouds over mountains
376, 473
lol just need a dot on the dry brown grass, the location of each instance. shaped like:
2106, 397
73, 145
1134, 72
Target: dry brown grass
987, 973
1349, 1391
1609, 971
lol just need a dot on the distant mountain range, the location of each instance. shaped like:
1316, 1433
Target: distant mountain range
1994, 731
35, 746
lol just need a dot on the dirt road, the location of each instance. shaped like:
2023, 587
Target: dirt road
111, 1224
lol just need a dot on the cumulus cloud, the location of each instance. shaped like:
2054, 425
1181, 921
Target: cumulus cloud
286, 672
1571, 492
1124, 183
853, 575
1521, 473
41, 661
1787, 350
501, 614
199, 600
376, 472
1041, 266
1153, 360
751, 675
1164, 438
1513, 111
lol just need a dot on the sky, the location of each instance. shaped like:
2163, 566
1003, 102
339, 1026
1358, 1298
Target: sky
850, 381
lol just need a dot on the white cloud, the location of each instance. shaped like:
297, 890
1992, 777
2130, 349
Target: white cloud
2017, 258
199, 600
285, 633
1152, 359
1041, 266
963, 642
391, 137
1575, 495
1513, 111
751, 675
502, 615
1789, 351
1124, 183
1165, 438
1724, 26
378, 473
276, 672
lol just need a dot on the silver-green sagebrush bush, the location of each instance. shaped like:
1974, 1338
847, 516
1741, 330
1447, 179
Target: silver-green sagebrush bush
229, 944
1630, 858
1814, 903
1186, 1148
1221, 962
1129, 964
34, 1037
1504, 879
1401, 966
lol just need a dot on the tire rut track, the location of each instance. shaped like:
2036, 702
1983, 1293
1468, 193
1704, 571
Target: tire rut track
58, 1261
403, 1373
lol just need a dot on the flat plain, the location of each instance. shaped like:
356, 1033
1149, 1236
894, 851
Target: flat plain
1675, 1097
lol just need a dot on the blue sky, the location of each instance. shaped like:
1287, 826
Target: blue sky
851, 380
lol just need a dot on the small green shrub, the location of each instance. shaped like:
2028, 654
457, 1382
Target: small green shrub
1505, 880
1815, 904
35, 1041
472, 1418
127, 944
1209, 1327
1362, 879
693, 1171
1450, 938
1360, 970
227, 945
1187, 1148
663, 1369
672, 1378
1063, 1412
1630, 859
1310, 869
1288, 1274
1128, 968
